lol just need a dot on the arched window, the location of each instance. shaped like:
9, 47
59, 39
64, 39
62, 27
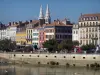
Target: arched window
96, 23
93, 23
84, 24
87, 23
90, 23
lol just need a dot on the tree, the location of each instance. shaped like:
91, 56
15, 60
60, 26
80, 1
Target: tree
7, 45
67, 44
88, 47
51, 45
76, 43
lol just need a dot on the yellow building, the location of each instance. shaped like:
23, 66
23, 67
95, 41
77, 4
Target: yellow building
29, 36
21, 38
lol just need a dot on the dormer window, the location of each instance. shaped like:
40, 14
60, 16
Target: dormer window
84, 19
93, 18
87, 18
96, 18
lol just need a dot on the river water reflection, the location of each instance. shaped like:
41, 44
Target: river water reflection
31, 70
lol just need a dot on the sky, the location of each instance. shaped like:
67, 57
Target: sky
22, 10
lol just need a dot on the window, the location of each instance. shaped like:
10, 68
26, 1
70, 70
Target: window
87, 18
86, 35
96, 18
81, 24
87, 23
92, 35
81, 41
76, 32
90, 23
93, 23
96, 23
84, 19
84, 24
92, 29
86, 41
86, 29
95, 29
89, 29
95, 35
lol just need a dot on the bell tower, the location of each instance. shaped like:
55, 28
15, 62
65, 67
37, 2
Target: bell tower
47, 16
41, 17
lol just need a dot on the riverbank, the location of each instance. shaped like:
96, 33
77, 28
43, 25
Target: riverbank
75, 60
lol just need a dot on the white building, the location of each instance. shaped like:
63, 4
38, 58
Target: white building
35, 37
3, 34
11, 32
88, 29
75, 33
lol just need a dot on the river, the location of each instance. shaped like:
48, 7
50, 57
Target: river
33, 70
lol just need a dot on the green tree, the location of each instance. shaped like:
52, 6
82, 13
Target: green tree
76, 43
88, 47
7, 45
67, 44
51, 45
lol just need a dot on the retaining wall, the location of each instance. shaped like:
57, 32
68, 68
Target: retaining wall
62, 59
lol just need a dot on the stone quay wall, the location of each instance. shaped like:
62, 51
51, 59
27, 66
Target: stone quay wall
61, 59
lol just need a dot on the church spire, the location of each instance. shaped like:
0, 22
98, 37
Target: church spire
41, 15
47, 16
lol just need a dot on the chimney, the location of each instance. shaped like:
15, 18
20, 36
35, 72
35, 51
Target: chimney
9, 23
20, 22
58, 22
16, 23
30, 21
54, 20
26, 22
13, 23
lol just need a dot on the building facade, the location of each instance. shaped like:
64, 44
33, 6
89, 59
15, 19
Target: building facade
56, 30
29, 30
35, 37
88, 29
75, 33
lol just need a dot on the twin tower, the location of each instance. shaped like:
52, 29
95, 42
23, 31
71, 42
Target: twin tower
44, 19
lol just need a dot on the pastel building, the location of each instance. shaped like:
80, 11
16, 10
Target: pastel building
56, 30
35, 37
41, 37
30, 29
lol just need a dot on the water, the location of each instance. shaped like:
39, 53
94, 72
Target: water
32, 70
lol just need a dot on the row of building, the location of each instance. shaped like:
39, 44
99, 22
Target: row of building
36, 32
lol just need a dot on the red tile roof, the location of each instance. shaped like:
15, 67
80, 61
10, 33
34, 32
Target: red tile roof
56, 23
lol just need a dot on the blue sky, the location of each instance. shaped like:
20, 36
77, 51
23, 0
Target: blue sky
22, 10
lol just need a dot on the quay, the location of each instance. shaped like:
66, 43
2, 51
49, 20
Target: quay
47, 58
